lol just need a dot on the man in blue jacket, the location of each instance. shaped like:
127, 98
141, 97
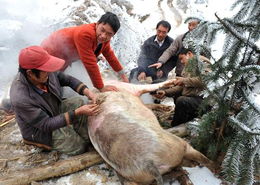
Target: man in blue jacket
151, 50
44, 118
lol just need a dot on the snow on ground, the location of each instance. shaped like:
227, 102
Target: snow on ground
27, 22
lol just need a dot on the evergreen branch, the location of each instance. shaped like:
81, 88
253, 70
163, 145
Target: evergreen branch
249, 57
238, 75
246, 176
249, 25
250, 103
244, 56
242, 126
232, 161
235, 4
242, 13
233, 95
239, 37
255, 68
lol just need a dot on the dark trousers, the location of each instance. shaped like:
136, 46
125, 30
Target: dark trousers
186, 108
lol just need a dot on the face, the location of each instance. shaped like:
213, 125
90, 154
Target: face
192, 25
184, 58
104, 32
161, 32
43, 77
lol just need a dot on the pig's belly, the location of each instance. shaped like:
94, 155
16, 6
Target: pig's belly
124, 130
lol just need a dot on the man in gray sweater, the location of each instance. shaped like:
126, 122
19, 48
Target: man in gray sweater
151, 50
174, 49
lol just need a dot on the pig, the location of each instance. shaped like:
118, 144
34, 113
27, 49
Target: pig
130, 139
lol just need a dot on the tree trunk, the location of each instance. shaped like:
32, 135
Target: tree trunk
64, 167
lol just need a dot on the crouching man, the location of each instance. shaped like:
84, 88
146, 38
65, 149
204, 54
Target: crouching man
187, 92
44, 119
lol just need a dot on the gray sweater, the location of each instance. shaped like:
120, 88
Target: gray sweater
35, 118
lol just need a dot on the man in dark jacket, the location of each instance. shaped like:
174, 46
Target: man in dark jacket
44, 119
151, 50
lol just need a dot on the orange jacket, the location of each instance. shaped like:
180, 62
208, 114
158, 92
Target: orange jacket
80, 42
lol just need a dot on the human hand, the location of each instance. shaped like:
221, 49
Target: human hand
157, 65
141, 76
160, 94
124, 78
92, 96
179, 81
108, 88
89, 110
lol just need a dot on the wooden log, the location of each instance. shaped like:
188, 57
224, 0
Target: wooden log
60, 168
8, 121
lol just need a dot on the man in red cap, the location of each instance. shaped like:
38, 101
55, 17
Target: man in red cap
45, 120
86, 42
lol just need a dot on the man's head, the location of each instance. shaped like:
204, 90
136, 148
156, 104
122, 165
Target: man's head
162, 30
185, 55
107, 26
36, 63
192, 24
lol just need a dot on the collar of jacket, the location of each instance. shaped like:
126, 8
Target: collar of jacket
32, 92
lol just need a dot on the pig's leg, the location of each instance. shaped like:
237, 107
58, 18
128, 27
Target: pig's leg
138, 89
124, 181
141, 89
153, 171
192, 154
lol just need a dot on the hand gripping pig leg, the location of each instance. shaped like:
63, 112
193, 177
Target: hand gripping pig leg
141, 89
138, 89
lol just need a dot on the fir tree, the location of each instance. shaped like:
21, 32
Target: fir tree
232, 127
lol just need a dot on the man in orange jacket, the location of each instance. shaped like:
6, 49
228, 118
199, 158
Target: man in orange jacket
86, 42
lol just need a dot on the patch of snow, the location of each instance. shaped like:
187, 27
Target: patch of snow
202, 176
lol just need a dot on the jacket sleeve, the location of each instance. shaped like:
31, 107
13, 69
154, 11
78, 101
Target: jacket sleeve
111, 58
67, 80
171, 50
37, 117
193, 82
170, 92
84, 42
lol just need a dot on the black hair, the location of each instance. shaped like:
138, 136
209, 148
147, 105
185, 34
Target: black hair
184, 51
111, 19
165, 24
34, 71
